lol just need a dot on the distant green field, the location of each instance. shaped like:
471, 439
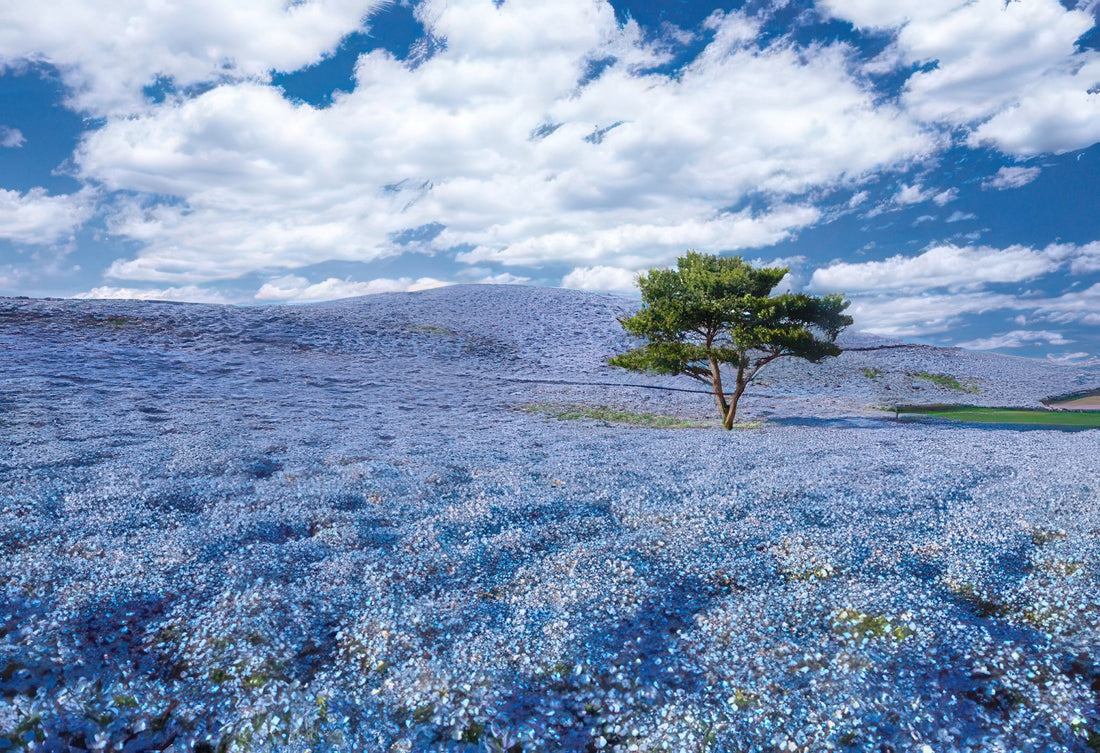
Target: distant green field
564, 412
1007, 415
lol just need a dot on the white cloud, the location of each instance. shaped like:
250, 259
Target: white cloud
37, 218
914, 295
601, 278
1057, 115
945, 197
1078, 358
1012, 177
1010, 70
186, 293
908, 316
11, 277
108, 52
1016, 339
914, 194
959, 216
492, 139
1081, 259
881, 14
294, 288
642, 243
937, 267
12, 138
908, 195
1079, 306
504, 278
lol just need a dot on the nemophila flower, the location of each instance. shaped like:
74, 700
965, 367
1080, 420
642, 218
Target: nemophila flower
311, 548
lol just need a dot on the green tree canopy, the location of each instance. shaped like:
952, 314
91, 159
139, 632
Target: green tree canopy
713, 312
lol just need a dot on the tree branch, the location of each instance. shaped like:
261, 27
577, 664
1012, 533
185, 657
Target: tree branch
761, 363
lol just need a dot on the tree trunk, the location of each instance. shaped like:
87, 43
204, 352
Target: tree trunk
731, 411
719, 395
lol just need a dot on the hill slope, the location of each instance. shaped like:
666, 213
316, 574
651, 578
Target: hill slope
327, 527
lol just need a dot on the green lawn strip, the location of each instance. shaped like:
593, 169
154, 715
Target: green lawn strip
947, 381
575, 412
1006, 415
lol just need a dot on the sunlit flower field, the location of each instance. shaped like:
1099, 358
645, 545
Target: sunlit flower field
438, 521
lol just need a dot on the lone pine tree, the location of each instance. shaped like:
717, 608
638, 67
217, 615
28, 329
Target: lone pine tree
713, 312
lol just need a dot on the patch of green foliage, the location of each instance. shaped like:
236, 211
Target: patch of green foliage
948, 382
1044, 536
472, 733
567, 412
28, 724
983, 606
1006, 415
859, 626
434, 329
816, 572
112, 322
743, 700
872, 372
257, 680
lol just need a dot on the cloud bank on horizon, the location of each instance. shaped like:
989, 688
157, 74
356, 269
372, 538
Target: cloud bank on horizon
934, 160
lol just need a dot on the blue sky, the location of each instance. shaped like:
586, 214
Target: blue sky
938, 161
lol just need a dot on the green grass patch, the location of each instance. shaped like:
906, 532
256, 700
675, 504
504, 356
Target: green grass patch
606, 414
1006, 415
852, 624
434, 329
1044, 536
114, 323
948, 382
872, 372
743, 700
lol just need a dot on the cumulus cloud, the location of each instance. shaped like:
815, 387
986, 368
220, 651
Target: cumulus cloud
881, 14
1011, 71
943, 198
492, 141
1081, 259
1058, 115
1012, 177
959, 216
1078, 306
1016, 339
294, 288
11, 276
914, 295
185, 293
937, 267
601, 278
909, 195
1077, 358
913, 315
12, 138
107, 53
38, 218
504, 278
914, 194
